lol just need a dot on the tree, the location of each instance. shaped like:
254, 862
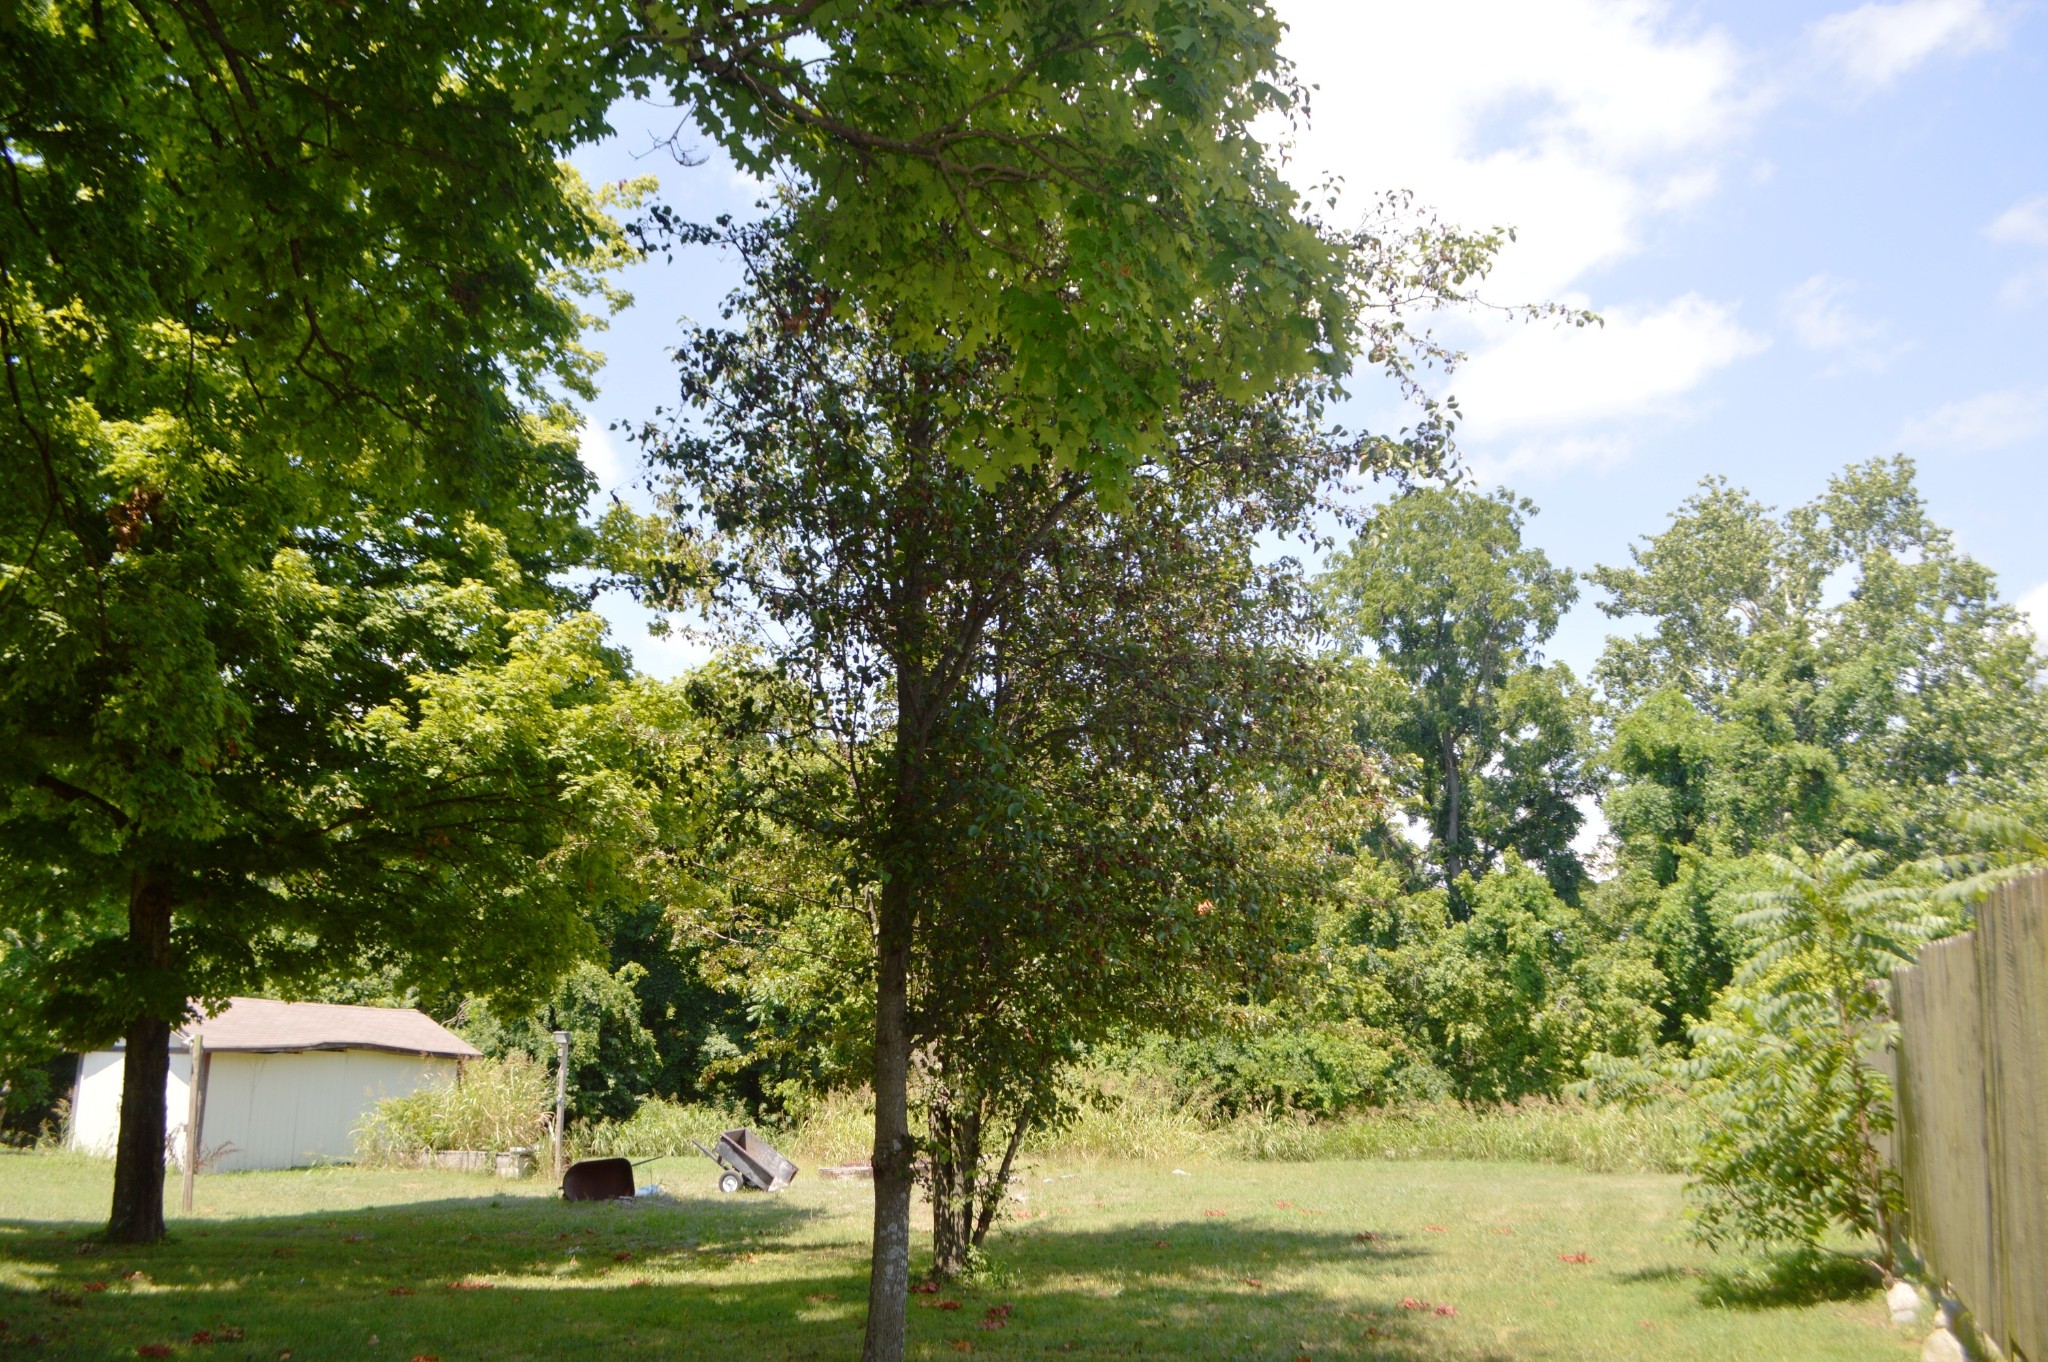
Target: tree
1784, 1067
1838, 670
1455, 610
1883, 712
288, 297
1074, 179
816, 512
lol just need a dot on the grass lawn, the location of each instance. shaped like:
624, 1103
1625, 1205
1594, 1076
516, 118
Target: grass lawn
1242, 1261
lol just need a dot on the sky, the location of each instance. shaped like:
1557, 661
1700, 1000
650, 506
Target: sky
1817, 234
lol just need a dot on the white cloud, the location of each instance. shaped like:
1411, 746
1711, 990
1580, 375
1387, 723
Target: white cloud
1990, 420
2024, 289
2034, 605
1539, 377
1512, 462
1575, 121
1582, 124
2023, 224
1874, 44
1821, 319
600, 454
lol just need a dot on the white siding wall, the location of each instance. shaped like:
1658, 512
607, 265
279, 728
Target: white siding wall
276, 1111
96, 1112
290, 1110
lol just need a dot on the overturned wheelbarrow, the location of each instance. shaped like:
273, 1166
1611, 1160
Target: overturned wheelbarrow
748, 1161
599, 1180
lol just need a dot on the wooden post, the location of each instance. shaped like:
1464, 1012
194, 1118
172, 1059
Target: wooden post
561, 1095
195, 1112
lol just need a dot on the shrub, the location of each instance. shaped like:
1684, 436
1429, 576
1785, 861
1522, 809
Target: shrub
659, 1127
493, 1104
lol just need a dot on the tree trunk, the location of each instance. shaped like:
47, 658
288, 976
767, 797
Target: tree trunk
138, 1213
994, 1199
956, 1169
1454, 864
889, 1267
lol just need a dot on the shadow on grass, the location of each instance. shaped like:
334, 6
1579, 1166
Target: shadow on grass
1802, 1277
693, 1279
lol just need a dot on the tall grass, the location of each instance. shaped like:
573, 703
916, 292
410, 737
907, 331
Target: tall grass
1136, 1119
839, 1128
495, 1104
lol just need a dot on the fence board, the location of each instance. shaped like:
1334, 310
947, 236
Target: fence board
1972, 1114
1943, 1120
2012, 957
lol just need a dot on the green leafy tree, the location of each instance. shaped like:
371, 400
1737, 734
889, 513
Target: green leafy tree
1507, 1002
955, 635
612, 1057
1839, 670
287, 308
1455, 610
1783, 1069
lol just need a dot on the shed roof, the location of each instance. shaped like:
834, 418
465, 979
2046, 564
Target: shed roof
264, 1024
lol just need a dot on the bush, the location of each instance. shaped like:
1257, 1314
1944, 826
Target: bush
1320, 1069
494, 1104
659, 1128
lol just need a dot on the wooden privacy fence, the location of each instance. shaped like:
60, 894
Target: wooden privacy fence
1972, 1114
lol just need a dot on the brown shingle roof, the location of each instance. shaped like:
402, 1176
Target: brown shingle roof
266, 1024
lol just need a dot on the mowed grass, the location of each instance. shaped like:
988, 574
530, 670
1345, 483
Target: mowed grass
1337, 1260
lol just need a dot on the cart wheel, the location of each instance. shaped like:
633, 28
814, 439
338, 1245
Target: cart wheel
730, 1182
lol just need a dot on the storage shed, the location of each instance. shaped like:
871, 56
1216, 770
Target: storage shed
282, 1085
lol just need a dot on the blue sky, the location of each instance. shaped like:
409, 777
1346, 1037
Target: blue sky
1818, 234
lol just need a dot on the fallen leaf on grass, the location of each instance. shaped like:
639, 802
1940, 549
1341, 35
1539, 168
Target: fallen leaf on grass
1304, 1357
640, 1281
94, 1286
1436, 1229
1410, 1303
1216, 1215
1253, 1281
1158, 1243
961, 1345
623, 1256
467, 1285
1447, 1309
1284, 1205
154, 1350
426, 1357
1575, 1257
1365, 1237
202, 1336
1503, 1229
949, 1305
998, 1316
926, 1288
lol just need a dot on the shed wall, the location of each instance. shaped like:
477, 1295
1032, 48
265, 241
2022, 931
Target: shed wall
262, 1110
96, 1111
290, 1110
